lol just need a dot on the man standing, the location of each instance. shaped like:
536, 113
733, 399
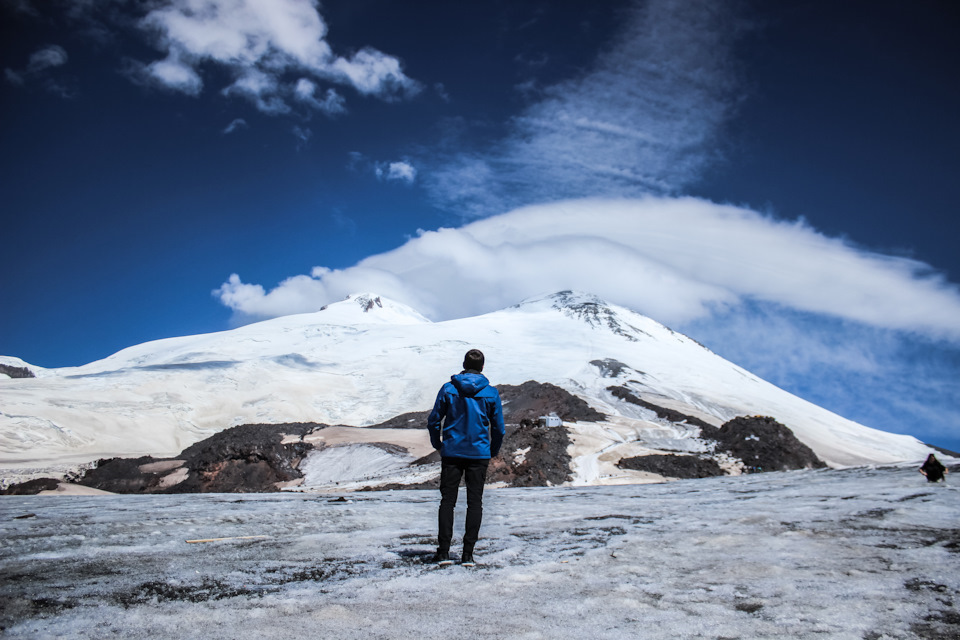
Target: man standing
466, 427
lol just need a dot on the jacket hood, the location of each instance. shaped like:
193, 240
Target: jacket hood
469, 384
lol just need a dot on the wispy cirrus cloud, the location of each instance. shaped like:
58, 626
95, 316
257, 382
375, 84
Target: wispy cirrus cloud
39, 63
235, 125
642, 120
261, 44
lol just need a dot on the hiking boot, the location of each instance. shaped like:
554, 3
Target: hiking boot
466, 559
441, 558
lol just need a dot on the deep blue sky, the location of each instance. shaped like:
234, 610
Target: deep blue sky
126, 201
125, 205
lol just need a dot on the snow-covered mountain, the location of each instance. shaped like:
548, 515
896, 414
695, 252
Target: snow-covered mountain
366, 359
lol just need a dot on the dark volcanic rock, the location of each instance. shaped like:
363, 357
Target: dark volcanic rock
412, 420
763, 444
122, 475
430, 484
532, 399
545, 460
247, 458
683, 467
16, 372
430, 458
609, 367
31, 487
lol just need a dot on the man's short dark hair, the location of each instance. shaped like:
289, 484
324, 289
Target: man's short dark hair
473, 360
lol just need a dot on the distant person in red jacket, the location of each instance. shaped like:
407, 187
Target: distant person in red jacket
466, 427
932, 468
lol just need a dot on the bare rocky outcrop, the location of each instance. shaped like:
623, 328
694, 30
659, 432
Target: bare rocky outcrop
16, 372
532, 456
674, 466
31, 487
531, 400
244, 459
763, 444
411, 420
122, 475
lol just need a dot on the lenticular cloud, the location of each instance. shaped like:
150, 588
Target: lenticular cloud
674, 259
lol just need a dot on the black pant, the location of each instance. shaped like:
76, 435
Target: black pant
475, 473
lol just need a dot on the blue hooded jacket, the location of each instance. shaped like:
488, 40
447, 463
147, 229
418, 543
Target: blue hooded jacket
467, 418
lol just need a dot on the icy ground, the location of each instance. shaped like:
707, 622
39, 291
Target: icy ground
861, 553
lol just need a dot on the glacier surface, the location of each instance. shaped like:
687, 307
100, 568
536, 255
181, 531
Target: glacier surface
855, 553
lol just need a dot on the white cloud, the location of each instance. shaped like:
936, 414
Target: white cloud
173, 74
262, 89
235, 125
49, 56
640, 121
13, 77
259, 41
374, 73
675, 260
294, 294
22, 6
397, 171
331, 104
302, 135
40, 61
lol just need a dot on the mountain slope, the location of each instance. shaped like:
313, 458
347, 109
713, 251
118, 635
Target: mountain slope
367, 359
